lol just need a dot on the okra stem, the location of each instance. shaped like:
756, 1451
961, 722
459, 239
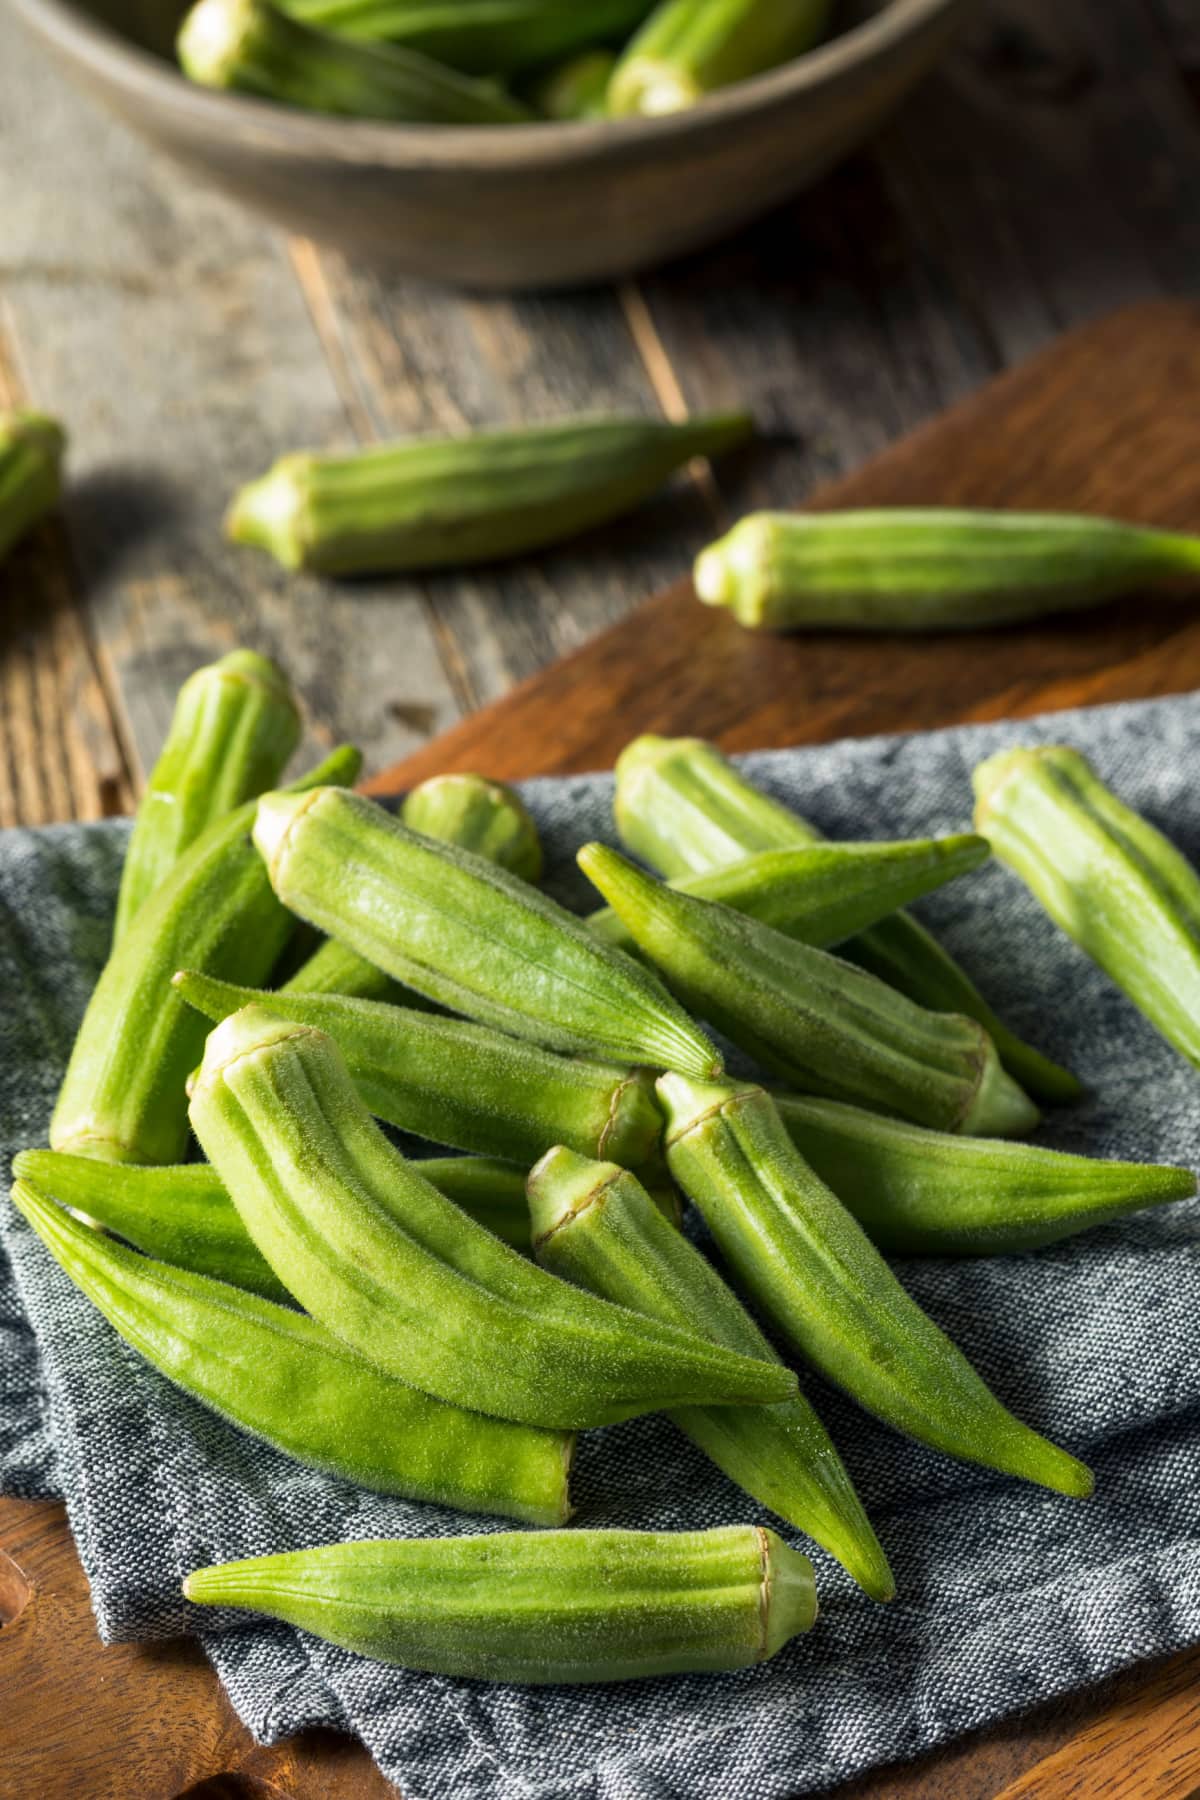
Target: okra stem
687, 48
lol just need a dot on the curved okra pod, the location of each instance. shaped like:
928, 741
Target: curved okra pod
464, 1085
927, 1193
31, 453
683, 808
486, 817
688, 48
1105, 875
538, 1606
929, 569
819, 1022
123, 1095
594, 1224
282, 1377
370, 1248
333, 968
234, 728
483, 37
810, 1268
475, 938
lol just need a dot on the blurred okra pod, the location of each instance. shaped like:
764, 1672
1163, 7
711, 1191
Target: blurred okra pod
577, 88
687, 48
31, 453
482, 37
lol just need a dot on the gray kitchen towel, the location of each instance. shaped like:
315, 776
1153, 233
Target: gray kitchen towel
1007, 1595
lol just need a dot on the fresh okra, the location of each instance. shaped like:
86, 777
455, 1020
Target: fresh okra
283, 1378
234, 728
926, 1193
687, 48
253, 48
123, 1095
577, 88
936, 569
813, 1271
594, 1224
372, 1250
683, 808
31, 453
448, 502
482, 37
538, 1606
473, 937
334, 968
821, 1023
483, 816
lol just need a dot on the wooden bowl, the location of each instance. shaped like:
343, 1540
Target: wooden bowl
524, 206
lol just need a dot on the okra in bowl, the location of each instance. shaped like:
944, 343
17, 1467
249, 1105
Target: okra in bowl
514, 200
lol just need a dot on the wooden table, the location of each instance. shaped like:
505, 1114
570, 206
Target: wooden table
1049, 174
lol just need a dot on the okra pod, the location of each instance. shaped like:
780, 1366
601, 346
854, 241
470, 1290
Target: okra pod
123, 1095
31, 453
234, 728
538, 1606
682, 807
448, 502
933, 569
926, 1193
482, 37
594, 1224
577, 88
687, 48
824, 1025
333, 968
282, 1377
251, 47
372, 1250
812, 1270
483, 816
471, 936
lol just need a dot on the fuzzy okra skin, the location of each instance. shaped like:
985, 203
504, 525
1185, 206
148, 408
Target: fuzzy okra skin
935, 569
282, 1377
539, 1607
687, 48
482, 37
473, 937
370, 1248
234, 728
807, 1265
821, 1023
31, 453
594, 1224
483, 816
334, 968
927, 1193
448, 502
123, 1097
1108, 877
682, 807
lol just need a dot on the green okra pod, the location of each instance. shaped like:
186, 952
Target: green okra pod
234, 728
483, 816
31, 453
123, 1095
448, 502
576, 88
482, 37
683, 808
687, 48
933, 569
282, 1377
927, 1193
372, 1250
334, 968
538, 1606
594, 1224
819, 1022
810, 1268
471, 936
1108, 877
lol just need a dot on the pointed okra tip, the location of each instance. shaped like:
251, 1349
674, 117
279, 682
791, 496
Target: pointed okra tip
628, 889
563, 1185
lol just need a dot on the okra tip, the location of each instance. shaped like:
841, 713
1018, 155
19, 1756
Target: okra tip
269, 513
250, 1031
255, 669
561, 1186
274, 817
37, 428
1000, 1107
994, 772
731, 571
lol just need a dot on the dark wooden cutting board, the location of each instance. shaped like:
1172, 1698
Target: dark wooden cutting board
1107, 420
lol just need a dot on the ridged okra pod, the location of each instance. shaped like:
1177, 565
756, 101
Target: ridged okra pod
687, 48
234, 728
31, 453
483, 37
473, 937
283, 1378
464, 1085
372, 1250
576, 88
935, 569
538, 1606
682, 807
594, 1224
123, 1097
808, 1266
822, 1024
251, 47
927, 1193
447, 502
1108, 877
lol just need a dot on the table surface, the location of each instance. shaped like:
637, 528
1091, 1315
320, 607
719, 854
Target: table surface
1048, 174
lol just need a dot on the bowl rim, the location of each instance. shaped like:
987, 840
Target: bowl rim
112, 59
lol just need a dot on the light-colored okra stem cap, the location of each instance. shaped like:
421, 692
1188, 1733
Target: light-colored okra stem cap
272, 512
274, 817
563, 1184
252, 1030
789, 1594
